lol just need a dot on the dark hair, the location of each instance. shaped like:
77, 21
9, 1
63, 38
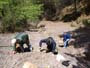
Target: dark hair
49, 40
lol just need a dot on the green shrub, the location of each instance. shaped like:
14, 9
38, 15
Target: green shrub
86, 22
15, 13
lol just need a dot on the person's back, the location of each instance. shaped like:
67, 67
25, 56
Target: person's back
51, 44
21, 37
50, 41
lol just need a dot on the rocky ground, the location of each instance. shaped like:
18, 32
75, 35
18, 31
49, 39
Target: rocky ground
41, 59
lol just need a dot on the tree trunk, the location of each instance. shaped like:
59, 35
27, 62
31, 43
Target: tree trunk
75, 5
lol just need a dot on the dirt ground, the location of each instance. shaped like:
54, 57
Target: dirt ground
41, 59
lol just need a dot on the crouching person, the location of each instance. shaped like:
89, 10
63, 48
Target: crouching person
66, 38
19, 41
51, 44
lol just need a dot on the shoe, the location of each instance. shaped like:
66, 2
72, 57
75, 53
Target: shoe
64, 47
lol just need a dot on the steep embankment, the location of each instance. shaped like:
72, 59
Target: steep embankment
41, 59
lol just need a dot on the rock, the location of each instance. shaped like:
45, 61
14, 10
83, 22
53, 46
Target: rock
65, 63
60, 58
29, 65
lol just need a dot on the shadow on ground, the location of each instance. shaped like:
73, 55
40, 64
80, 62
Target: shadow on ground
82, 40
81, 61
82, 37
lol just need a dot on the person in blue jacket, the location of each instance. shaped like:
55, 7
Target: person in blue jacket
51, 44
18, 43
66, 38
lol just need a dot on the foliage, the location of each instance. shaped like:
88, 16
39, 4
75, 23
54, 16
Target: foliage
86, 22
15, 12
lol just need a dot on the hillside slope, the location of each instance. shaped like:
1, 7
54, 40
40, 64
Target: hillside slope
42, 59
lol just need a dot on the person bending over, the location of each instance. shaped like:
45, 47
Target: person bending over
66, 38
19, 41
51, 44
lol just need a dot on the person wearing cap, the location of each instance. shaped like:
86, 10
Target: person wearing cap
19, 41
51, 44
66, 38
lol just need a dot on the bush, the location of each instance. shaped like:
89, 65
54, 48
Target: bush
15, 13
86, 22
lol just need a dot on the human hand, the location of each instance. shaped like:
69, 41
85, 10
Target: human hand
14, 52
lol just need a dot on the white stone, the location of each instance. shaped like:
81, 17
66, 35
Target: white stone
13, 41
60, 58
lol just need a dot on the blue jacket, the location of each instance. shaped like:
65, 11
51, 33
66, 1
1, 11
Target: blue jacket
66, 36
